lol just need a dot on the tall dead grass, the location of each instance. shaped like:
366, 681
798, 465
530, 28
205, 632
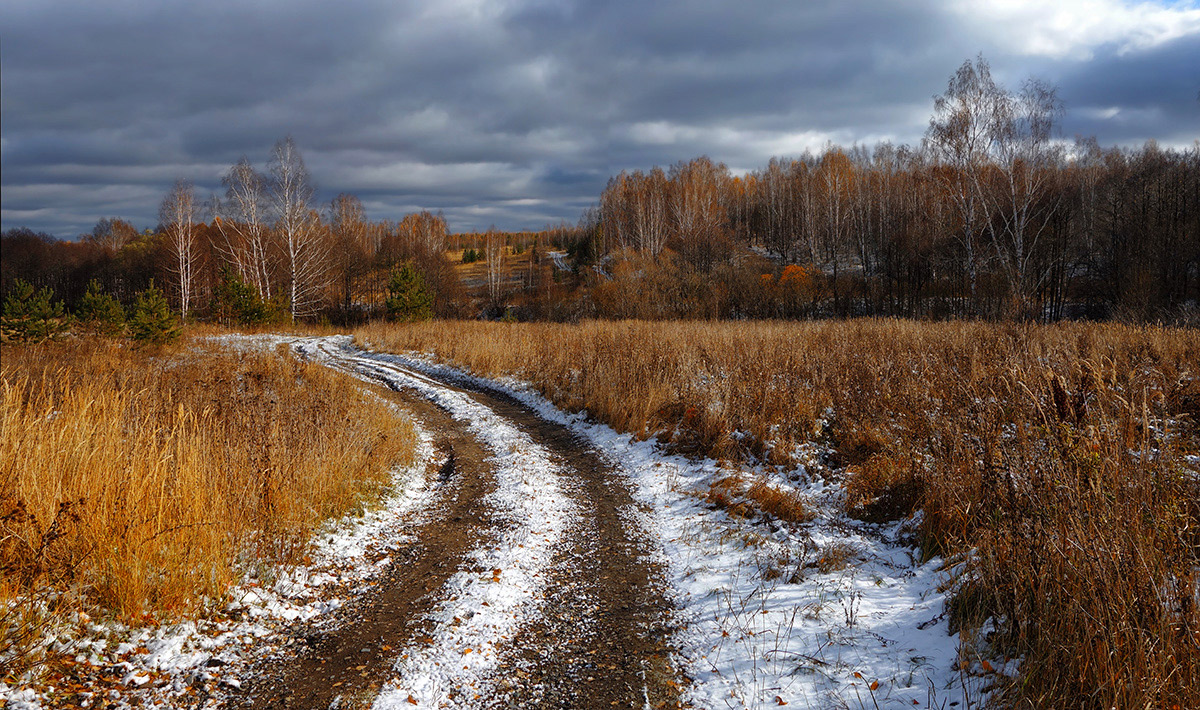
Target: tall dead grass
148, 482
1052, 459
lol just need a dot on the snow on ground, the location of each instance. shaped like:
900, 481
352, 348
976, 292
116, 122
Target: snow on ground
769, 617
830, 613
500, 588
559, 259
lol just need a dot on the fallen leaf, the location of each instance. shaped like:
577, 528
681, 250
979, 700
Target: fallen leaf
412, 700
780, 701
874, 685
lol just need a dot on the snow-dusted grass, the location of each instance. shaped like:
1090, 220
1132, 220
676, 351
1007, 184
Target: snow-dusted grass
139, 504
1052, 463
760, 624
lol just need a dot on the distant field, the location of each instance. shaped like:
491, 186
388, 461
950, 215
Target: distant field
514, 270
1060, 464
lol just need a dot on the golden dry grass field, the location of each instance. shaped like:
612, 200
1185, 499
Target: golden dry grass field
1060, 463
143, 483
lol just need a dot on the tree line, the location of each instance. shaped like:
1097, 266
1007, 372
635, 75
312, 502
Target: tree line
990, 216
260, 251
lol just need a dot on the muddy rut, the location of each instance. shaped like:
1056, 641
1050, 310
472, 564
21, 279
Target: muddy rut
599, 637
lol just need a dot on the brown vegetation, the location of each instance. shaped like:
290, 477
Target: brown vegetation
146, 483
1051, 460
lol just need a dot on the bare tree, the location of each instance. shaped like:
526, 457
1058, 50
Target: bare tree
965, 126
697, 210
351, 237
112, 234
423, 234
178, 216
305, 256
650, 211
999, 149
837, 177
493, 245
616, 214
241, 220
1027, 157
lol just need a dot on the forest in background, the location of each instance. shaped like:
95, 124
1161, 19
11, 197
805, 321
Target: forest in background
992, 216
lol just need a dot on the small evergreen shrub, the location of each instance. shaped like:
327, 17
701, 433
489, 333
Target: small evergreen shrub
152, 320
236, 303
409, 299
100, 312
30, 316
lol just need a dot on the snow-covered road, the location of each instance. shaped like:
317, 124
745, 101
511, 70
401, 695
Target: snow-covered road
757, 616
760, 623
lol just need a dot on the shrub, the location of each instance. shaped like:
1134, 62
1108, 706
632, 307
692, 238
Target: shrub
100, 312
152, 320
30, 315
236, 303
409, 298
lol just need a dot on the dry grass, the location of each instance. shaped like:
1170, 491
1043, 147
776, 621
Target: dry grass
744, 499
146, 483
1057, 454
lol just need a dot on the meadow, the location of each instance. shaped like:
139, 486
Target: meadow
1055, 468
140, 484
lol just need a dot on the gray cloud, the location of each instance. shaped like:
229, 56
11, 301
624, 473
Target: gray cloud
516, 113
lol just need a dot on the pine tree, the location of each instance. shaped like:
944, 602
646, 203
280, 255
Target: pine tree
235, 301
152, 320
30, 315
409, 299
100, 311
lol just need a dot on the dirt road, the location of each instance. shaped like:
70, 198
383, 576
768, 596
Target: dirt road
529, 586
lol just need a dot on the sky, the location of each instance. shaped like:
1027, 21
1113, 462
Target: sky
515, 113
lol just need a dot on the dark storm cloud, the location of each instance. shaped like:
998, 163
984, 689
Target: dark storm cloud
516, 113
1128, 100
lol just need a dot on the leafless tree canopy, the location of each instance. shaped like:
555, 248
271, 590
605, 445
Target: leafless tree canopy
298, 229
177, 215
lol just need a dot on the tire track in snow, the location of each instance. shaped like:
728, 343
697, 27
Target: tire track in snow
501, 586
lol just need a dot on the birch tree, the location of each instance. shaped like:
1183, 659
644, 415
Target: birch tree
242, 219
1001, 154
697, 212
961, 134
493, 244
178, 216
305, 257
1027, 157
650, 211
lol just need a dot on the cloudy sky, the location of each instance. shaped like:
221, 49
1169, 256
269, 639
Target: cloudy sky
515, 113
